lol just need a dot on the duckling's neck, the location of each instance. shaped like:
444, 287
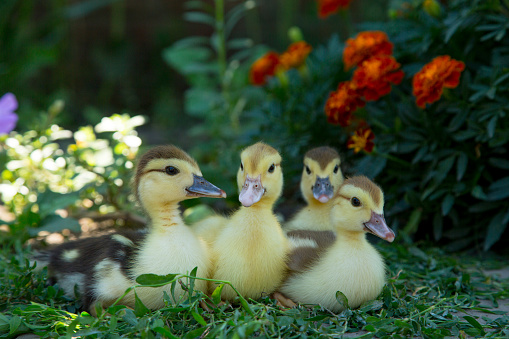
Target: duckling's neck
165, 215
318, 205
263, 204
352, 238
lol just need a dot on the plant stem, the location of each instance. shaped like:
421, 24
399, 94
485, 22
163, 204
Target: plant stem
221, 44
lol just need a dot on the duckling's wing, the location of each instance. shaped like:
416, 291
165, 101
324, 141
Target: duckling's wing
307, 247
82, 263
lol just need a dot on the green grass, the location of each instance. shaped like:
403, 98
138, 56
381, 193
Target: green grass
428, 294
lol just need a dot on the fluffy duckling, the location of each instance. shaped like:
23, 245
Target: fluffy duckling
351, 264
321, 178
251, 249
104, 267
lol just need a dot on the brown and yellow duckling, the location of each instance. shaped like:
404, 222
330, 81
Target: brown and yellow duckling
349, 264
321, 179
103, 268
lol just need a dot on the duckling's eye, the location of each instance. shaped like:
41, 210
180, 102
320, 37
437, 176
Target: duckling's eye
170, 170
308, 171
355, 202
336, 169
241, 167
271, 168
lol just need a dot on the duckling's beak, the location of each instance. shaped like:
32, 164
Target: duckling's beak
203, 188
252, 191
377, 226
322, 189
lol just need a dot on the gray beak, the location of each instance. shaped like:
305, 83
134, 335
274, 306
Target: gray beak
322, 189
203, 188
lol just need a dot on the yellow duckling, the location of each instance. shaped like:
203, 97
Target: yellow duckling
321, 179
104, 267
351, 264
251, 249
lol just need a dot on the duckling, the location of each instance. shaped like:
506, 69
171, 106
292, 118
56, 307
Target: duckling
351, 264
321, 178
251, 249
104, 267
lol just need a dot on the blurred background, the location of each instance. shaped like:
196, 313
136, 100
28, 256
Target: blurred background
98, 81
107, 56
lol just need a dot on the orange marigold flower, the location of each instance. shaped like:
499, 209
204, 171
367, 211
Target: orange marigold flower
375, 75
342, 103
429, 82
365, 45
328, 7
362, 139
263, 68
295, 55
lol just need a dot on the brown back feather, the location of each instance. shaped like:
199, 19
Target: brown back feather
304, 257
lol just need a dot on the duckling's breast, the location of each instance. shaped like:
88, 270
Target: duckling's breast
358, 272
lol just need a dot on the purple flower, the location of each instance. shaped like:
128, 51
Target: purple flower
8, 119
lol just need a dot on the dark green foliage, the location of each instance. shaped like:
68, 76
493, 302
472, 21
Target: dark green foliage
443, 168
429, 295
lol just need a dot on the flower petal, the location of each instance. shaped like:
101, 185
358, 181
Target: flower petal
8, 103
8, 122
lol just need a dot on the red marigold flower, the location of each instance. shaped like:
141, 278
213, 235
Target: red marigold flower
362, 139
342, 103
375, 75
263, 68
365, 45
295, 55
328, 7
429, 82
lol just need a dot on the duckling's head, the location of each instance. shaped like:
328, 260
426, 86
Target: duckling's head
358, 207
167, 174
321, 176
260, 177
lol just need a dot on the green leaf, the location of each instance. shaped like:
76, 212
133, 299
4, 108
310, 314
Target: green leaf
475, 324
195, 333
402, 324
50, 201
496, 227
342, 300
478, 193
200, 102
461, 166
200, 17
317, 318
154, 279
447, 204
490, 128
14, 323
499, 163
188, 60
284, 321
192, 281
198, 318
165, 332
245, 305
139, 308
413, 222
216, 295
55, 223
499, 189
372, 305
